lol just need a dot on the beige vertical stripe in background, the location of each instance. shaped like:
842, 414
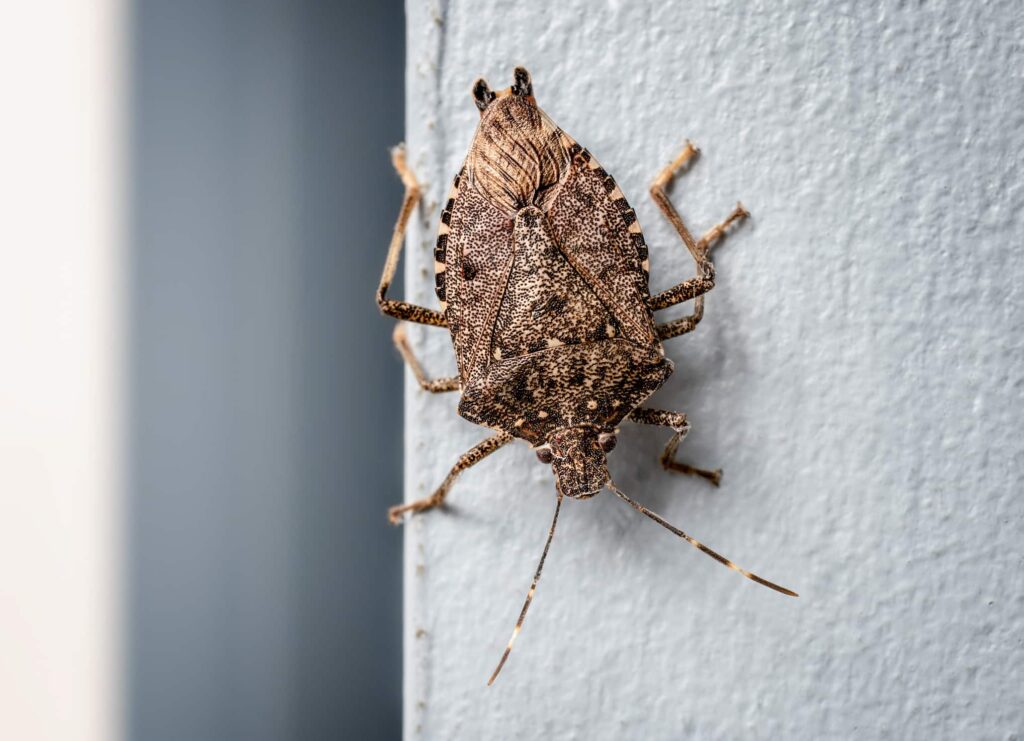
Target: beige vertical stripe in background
62, 150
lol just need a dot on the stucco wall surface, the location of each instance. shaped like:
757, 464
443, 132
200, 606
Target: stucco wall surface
859, 376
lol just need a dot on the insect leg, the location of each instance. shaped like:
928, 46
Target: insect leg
661, 199
401, 309
467, 460
677, 421
694, 288
433, 385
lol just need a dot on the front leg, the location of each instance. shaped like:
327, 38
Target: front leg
677, 421
467, 460
401, 309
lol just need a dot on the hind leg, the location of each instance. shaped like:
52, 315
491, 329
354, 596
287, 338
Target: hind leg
677, 421
694, 288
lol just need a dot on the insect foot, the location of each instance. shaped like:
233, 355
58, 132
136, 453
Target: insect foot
395, 513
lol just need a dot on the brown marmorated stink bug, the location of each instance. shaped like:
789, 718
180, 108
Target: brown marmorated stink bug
542, 273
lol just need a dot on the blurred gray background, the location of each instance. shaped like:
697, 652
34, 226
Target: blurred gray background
265, 583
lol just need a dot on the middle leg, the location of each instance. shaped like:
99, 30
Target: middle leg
433, 385
677, 421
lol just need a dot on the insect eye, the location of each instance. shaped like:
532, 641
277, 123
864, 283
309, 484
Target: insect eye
607, 441
544, 455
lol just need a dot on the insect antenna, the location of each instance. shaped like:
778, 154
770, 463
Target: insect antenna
529, 595
697, 544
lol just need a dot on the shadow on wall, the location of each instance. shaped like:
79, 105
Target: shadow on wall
265, 419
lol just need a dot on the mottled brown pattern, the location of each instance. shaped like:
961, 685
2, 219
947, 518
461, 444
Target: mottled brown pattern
542, 272
546, 295
579, 386
479, 245
545, 284
593, 225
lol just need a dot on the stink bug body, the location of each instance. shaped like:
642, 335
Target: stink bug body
542, 273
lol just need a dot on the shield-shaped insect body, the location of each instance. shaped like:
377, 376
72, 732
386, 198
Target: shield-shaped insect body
542, 272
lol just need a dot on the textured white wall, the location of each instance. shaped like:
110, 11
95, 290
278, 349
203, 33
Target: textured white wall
858, 375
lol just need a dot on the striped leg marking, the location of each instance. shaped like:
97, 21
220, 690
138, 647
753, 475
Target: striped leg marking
529, 595
700, 546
